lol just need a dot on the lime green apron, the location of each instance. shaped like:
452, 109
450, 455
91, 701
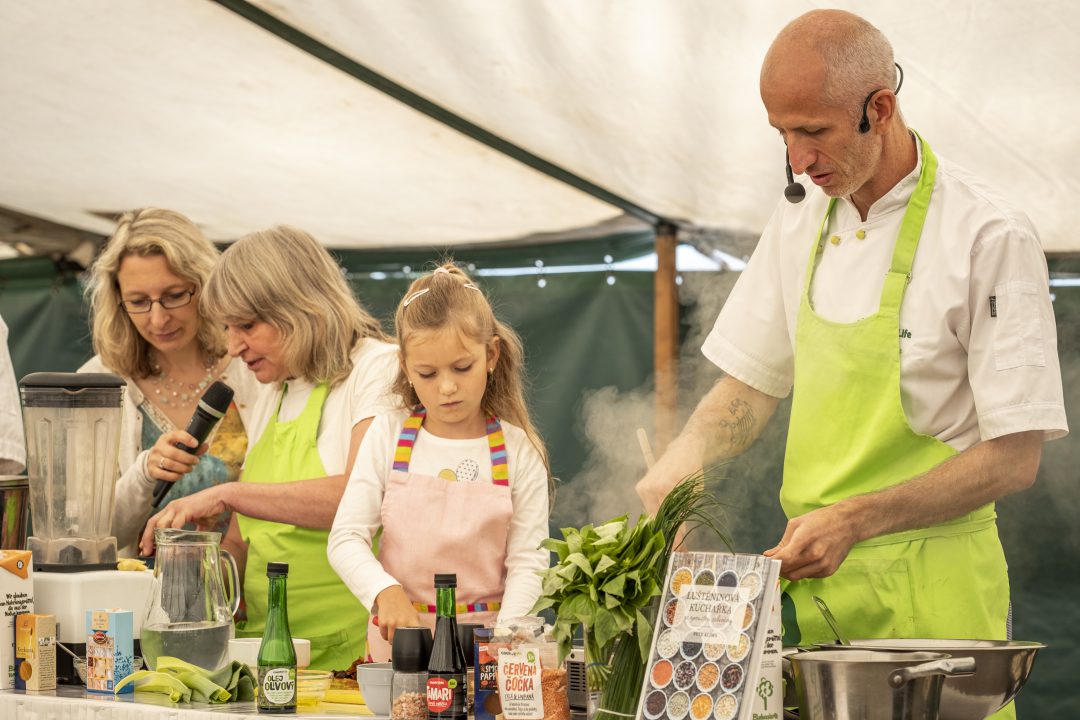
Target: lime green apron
849, 436
321, 608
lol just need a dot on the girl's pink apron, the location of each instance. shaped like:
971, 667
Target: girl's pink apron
431, 525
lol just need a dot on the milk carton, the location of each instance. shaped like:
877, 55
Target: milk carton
110, 649
16, 597
35, 652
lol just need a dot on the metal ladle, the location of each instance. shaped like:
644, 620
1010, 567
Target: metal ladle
827, 614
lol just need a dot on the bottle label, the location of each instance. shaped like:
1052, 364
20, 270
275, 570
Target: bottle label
519, 683
277, 686
446, 694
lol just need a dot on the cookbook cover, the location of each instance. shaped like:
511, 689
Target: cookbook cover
709, 636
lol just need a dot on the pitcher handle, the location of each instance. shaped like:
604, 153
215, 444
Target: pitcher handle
951, 667
233, 592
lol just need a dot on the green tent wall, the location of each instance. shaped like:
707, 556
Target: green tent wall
589, 346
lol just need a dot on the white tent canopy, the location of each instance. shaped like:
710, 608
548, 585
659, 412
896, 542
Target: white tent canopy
115, 104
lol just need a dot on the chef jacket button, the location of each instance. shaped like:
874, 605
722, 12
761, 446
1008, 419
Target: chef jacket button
835, 239
860, 234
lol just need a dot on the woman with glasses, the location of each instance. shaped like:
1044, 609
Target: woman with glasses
143, 294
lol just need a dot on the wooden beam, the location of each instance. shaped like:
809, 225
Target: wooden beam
666, 337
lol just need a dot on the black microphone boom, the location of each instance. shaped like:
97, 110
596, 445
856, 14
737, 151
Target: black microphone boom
794, 192
211, 408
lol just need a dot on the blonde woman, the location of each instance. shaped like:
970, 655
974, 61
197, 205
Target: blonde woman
460, 465
144, 292
291, 317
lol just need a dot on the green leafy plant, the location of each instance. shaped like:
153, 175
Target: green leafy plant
606, 579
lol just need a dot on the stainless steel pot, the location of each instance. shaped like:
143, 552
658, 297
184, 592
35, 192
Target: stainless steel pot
872, 685
14, 511
1003, 668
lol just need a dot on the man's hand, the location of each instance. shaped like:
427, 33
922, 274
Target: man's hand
197, 508
394, 611
815, 544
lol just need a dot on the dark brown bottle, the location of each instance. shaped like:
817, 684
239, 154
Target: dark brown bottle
447, 685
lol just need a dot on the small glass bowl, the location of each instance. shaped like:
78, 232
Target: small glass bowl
311, 686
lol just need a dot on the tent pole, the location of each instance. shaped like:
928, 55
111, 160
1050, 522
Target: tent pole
666, 337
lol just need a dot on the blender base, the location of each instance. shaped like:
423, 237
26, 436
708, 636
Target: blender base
68, 595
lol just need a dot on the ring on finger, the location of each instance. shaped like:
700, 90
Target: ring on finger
161, 462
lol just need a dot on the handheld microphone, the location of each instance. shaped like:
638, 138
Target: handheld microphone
212, 407
794, 192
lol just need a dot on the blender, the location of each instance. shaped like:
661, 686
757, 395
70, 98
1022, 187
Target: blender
72, 423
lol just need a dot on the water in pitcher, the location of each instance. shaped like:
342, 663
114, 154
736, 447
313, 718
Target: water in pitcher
199, 643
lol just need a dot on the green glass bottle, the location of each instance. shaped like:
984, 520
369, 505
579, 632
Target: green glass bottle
277, 658
447, 686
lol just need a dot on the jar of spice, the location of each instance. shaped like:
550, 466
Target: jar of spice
408, 690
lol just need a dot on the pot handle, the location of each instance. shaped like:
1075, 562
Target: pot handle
951, 667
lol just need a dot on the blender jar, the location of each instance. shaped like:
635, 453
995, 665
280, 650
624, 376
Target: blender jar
72, 423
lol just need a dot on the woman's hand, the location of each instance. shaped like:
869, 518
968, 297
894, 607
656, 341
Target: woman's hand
197, 508
168, 462
394, 611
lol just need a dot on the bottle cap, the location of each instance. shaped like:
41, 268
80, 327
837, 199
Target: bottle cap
277, 569
446, 580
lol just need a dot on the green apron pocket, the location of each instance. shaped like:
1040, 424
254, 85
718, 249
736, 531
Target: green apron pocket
870, 597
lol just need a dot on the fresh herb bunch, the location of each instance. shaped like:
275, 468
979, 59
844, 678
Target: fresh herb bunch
691, 503
606, 578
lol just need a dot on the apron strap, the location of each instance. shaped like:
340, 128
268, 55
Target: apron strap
500, 471
407, 439
899, 274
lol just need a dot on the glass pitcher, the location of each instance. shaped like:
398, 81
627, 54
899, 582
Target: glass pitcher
189, 614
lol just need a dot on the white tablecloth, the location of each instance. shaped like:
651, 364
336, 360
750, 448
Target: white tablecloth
74, 703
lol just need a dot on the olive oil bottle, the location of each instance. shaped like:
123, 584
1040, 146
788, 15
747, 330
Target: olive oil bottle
277, 658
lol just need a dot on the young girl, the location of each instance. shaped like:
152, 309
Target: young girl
458, 480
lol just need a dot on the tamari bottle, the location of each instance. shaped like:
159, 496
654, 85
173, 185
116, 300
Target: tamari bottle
447, 684
277, 658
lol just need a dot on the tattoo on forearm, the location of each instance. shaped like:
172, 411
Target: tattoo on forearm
741, 425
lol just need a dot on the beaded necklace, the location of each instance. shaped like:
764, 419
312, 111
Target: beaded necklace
172, 393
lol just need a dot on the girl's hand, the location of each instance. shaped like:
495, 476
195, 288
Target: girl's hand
169, 463
394, 611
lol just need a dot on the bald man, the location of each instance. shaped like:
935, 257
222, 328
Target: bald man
907, 307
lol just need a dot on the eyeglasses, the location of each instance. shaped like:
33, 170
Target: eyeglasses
168, 301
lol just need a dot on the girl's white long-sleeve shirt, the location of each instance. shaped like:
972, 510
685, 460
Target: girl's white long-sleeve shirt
359, 514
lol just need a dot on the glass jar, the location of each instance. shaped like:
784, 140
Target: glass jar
409, 654
408, 695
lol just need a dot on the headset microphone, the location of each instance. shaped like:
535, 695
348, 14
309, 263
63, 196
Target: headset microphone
211, 408
794, 192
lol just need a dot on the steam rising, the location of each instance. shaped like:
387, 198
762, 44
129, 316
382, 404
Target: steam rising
604, 488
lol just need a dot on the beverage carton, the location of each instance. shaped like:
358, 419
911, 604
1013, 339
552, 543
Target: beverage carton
16, 597
35, 652
110, 649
